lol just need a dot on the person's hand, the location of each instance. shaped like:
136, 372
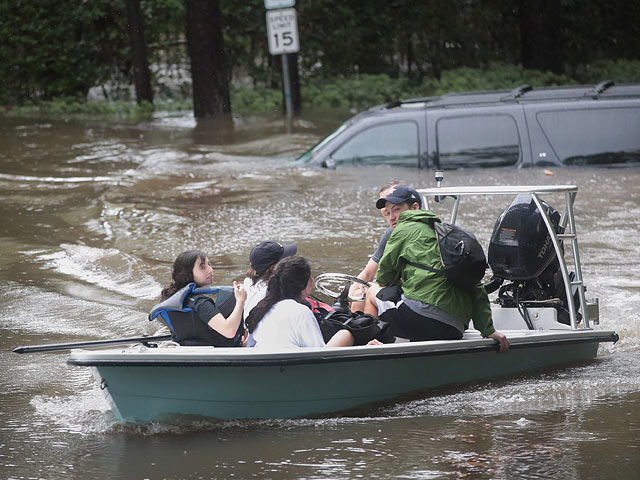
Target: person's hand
502, 340
357, 290
239, 292
374, 342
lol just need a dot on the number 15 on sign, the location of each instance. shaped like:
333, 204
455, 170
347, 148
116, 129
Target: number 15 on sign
282, 31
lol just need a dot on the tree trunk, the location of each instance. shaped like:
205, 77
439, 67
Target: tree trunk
206, 50
141, 75
541, 44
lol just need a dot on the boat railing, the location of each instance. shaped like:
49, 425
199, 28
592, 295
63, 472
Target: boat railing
567, 222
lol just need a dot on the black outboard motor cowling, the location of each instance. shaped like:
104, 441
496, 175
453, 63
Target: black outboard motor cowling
521, 252
520, 246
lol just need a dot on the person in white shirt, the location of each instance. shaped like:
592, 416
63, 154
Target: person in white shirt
262, 260
281, 320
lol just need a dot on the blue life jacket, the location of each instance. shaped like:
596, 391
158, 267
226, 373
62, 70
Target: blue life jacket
187, 328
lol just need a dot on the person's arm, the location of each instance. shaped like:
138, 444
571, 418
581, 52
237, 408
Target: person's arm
229, 326
481, 311
368, 273
482, 321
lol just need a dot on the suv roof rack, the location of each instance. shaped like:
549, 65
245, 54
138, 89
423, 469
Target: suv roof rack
523, 93
599, 88
399, 103
517, 92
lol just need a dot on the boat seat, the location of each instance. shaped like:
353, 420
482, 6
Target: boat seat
186, 327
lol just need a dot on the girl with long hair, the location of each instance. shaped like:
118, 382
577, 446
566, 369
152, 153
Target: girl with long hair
282, 318
192, 266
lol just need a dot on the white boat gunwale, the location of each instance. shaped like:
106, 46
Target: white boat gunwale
211, 356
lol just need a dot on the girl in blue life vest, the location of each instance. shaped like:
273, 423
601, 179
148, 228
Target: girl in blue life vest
193, 266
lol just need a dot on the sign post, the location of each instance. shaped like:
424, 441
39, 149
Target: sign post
282, 35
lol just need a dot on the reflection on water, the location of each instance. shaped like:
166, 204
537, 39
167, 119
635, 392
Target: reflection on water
93, 215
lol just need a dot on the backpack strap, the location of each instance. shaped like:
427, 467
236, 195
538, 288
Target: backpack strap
439, 271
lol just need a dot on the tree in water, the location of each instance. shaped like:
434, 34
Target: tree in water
142, 77
205, 45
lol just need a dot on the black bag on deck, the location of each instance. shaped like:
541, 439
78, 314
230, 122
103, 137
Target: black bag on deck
462, 256
363, 327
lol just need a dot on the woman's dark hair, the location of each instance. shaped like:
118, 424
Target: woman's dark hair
289, 279
182, 272
255, 277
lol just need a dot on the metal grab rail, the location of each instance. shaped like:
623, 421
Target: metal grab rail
570, 192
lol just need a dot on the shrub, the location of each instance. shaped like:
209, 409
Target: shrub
618, 71
497, 76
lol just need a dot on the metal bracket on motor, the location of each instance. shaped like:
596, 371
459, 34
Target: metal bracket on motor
593, 311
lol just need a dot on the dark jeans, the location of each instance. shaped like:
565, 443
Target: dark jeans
406, 323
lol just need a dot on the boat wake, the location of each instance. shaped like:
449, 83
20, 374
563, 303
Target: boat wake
574, 388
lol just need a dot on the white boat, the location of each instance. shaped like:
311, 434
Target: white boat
156, 382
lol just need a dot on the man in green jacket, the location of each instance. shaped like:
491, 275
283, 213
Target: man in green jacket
426, 306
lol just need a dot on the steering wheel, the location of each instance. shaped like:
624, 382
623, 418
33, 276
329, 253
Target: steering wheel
334, 285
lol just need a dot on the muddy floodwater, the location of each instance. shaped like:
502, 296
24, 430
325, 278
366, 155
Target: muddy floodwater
93, 214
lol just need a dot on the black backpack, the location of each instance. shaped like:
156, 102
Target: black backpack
461, 254
363, 327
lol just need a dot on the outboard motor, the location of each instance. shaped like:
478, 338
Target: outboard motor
521, 252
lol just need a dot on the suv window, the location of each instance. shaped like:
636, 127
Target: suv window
390, 143
477, 141
589, 136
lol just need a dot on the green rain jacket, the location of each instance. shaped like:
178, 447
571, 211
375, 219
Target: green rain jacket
414, 240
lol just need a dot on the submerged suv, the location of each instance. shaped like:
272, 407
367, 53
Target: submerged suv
523, 127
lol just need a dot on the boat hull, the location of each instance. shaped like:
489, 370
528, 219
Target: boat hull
145, 384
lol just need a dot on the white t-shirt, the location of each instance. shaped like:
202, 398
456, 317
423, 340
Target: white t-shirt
255, 293
287, 324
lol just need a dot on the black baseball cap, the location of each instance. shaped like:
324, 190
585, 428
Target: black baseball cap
400, 194
265, 254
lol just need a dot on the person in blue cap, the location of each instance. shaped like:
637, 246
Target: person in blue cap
262, 260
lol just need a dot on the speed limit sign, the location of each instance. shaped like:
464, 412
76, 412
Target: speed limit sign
282, 31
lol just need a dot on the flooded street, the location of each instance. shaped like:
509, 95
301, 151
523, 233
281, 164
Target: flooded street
93, 215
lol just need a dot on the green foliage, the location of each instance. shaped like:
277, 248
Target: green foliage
355, 93
54, 48
359, 92
497, 76
72, 108
618, 71
259, 100
367, 90
353, 54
